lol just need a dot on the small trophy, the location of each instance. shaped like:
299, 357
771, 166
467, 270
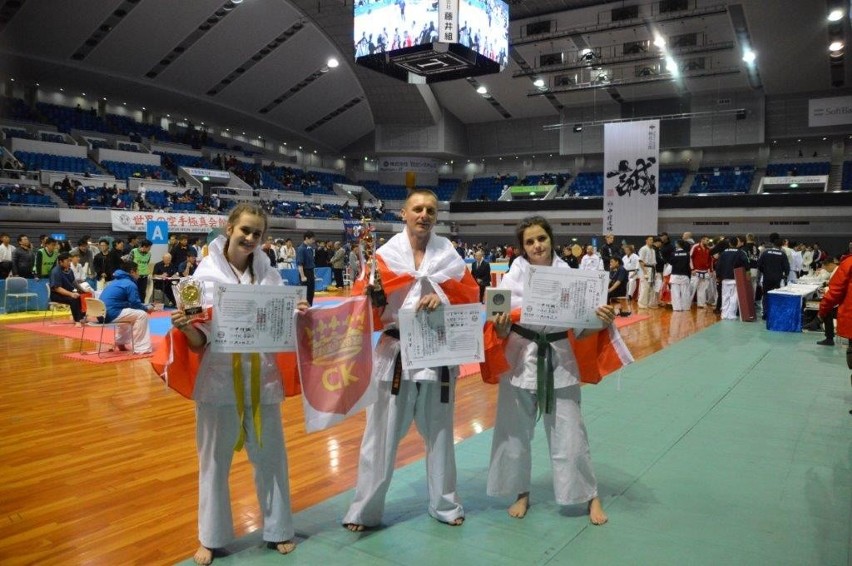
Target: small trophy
190, 292
374, 287
367, 248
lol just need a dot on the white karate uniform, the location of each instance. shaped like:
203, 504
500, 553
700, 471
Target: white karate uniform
681, 291
730, 301
140, 330
218, 423
510, 469
631, 264
418, 400
647, 282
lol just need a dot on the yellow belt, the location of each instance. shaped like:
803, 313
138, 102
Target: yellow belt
239, 393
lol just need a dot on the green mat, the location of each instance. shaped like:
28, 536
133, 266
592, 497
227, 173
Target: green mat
729, 447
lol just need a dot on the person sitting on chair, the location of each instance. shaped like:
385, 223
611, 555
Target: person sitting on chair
617, 290
121, 298
64, 288
164, 271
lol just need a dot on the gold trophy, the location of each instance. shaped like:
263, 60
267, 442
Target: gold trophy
191, 292
367, 247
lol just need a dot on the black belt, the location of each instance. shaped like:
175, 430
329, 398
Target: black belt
544, 364
397, 372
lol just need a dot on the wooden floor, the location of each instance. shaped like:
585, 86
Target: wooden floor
98, 461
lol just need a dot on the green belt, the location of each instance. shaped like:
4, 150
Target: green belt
544, 365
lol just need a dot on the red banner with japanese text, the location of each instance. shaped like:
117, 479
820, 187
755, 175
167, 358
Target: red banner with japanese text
335, 354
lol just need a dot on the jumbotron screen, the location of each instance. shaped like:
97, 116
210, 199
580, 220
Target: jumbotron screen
484, 27
388, 26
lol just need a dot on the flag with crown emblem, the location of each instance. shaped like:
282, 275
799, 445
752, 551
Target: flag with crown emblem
335, 354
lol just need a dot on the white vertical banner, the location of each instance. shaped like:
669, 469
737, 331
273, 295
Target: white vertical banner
448, 24
631, 177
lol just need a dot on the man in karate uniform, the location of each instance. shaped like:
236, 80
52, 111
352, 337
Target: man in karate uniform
417, 270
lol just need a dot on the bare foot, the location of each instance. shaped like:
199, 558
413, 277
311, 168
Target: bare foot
354, 527
203, 555
285, 547
596, 512
519, 508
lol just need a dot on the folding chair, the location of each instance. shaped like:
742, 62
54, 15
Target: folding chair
52, 307
17, 288
95, 315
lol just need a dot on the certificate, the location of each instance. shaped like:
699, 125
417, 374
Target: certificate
248, 318
565, 298
447, 336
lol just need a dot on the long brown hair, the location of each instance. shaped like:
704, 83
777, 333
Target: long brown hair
529, 222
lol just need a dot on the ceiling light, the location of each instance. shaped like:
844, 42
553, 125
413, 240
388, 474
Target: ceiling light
660, 41
124, 103
83, 94
539, 83
482, 90
794, 185
585, 51
835, 15
105, 98
671, 66
60, 90
143, 108
835, 46
578, 128
332, 63
236, 1
749, 56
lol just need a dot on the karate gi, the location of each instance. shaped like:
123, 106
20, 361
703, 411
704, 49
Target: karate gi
443, 272
218, 421
510, 470
648, 278
631, 265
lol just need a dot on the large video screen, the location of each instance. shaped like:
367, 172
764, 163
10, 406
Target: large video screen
484, 27
388, 25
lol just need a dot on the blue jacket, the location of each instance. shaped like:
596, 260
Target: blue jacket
121, 293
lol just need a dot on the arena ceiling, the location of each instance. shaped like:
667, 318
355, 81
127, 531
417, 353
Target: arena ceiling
260, 65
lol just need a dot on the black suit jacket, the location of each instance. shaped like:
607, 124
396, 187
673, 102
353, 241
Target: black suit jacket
482, 273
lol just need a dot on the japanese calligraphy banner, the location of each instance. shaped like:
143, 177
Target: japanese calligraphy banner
631, 177
129, 221
449, 11
335, 351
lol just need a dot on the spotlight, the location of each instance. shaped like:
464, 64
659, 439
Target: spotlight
482, 90
332, 63
749, 56
835, 15
538, 83
578, 128
835, 46
660, 41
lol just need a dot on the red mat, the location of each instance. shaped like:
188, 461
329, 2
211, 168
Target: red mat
64, 330
90, 334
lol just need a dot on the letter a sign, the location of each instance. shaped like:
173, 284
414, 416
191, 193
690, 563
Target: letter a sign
157, 231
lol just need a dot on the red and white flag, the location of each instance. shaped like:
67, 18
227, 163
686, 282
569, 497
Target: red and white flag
335, 354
